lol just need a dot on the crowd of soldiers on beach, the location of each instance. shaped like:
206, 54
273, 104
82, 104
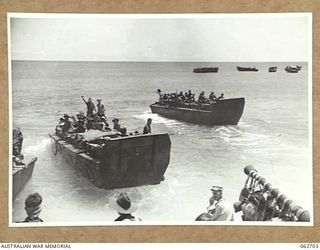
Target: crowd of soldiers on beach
188, 97
94, 119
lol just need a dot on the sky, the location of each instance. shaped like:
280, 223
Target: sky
172, 38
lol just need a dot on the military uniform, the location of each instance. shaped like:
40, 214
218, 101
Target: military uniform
101, 110
147, 129
222, 211
90, 108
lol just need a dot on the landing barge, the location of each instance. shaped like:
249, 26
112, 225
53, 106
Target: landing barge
110, 160
21, 171
21, 174
246, 69
220, 112
206, 70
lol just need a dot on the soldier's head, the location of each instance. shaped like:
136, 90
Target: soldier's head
149, 121
100, 125
115, 120
90, 100
217, 192
33, 205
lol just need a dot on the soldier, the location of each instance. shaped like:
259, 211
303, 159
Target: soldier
219, 208
81, 128
33, 208
201, 98
212, 96
185, 96
147, 127
160, 95
124, 207
106, 124
165, 97
17, 140
221, 96
91, 109
67, 126
81, 116
101, 109
116, 124
181, 97
189, 94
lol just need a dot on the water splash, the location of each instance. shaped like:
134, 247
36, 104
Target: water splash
39, 147
157, 119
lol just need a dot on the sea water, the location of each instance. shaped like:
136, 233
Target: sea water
272, 134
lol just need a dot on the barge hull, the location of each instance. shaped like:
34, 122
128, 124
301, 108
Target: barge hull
21, 176
125, 162
223, 112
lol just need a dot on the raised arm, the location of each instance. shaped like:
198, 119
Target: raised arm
83, 99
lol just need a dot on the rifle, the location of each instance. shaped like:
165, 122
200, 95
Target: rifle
259, 201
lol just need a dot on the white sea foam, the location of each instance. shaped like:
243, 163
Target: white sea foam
38, 147
157, 118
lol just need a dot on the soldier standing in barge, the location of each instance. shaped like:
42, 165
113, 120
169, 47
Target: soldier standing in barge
212, 96
91, 109
17, 141
116, 124
101, 109
147, 127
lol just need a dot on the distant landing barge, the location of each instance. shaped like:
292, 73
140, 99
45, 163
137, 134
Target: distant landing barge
246, 69
293, 69
273, 69
221, 112
206, 70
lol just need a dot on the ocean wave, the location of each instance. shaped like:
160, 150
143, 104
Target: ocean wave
233, 135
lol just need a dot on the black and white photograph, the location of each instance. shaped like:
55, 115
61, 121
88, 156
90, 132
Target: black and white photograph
160, 119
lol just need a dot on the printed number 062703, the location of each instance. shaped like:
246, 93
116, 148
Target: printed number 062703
309, 245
